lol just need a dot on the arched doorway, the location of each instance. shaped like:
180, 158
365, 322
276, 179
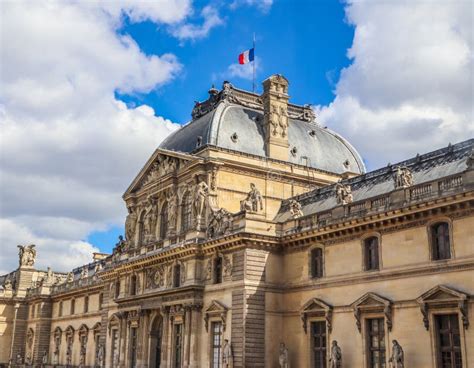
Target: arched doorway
155, 342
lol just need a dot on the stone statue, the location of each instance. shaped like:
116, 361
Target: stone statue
8, 285
283, 121
199, 202
149, 222
283, 357
343, 193
28, 358
44, 358
227, 357
253, 202
27, 254
49, 276
335, 357
227, 263
69, 352
171, 200
295, 209
69, 277
403, 177
220, 223
84, 272
397, 360
130, 225
273, 120
19, 359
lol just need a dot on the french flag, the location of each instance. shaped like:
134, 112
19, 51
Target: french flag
246, 56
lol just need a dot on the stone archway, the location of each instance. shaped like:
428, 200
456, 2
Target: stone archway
156, 333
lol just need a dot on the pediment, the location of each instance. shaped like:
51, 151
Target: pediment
442, 293
315, 305
160, 164
371, 300
216, 307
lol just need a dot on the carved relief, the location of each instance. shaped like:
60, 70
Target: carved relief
213, 179
403, 177
253, 202
169, 275
149, 220
220, 223
343, 193
156, 277
295, 209
27, 254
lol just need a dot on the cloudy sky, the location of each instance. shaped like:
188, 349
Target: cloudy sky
89, 89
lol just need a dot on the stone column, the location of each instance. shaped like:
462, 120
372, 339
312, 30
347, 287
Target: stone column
143, 352
186, 335
195, 330
166, 339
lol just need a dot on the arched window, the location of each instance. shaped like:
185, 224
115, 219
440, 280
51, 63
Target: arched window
371, 253
186, 212
316, 263
218, 270
164, 221
133, 285
177, 275
440, 241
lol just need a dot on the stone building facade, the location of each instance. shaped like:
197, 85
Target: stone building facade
255, 238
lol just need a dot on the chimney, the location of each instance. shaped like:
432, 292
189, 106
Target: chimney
275, 116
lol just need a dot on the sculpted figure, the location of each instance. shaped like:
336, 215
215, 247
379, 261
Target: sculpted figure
220, 223
343, 193
44, 358
403, 177
397, 360
28, 358
149, 223
227, 357
253, 202
84, 272
171, 199
283, 357
8, 285
295, 209
49, 276
130, 224
199, 202
283, 121
274, 120
27, 254
100, 355
335, 359
19, 359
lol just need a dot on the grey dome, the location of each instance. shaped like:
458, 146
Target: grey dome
240, 128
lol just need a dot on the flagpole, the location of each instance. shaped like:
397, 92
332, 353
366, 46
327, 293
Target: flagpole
253, 62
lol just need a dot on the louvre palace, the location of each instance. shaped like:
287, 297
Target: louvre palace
256, 238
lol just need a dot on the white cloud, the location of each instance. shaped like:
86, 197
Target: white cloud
236, 70
409, 88
191, 31
263, 5
69, 149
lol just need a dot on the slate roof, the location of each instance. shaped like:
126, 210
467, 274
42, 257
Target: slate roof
315, 146
442, 163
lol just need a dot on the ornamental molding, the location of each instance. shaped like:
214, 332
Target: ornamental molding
316, 308
372, 303
216, 310
441, 297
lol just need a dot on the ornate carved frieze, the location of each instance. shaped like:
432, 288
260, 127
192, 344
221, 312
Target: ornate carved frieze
220, 223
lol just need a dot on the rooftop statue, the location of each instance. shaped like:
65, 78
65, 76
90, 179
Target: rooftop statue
295, 209
27, 254
403, 177
343, 193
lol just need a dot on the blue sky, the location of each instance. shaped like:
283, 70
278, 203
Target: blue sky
90, 89
307, 43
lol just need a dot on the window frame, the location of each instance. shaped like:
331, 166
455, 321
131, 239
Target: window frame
367, 338
174, 354
218, 272
177, 275
438, 350
312, 258
371, 244
212, 347
431, 238
310, 340
86, 304
72, 307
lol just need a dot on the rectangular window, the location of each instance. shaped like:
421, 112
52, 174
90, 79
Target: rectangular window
318, 344
177, 276
440, 240
371, 246
375, 343
101, 300
117, 289
218, 270
73, 306
133, 347
448, 341
216, 344
177, 345
60, 309
317, 262
133, 285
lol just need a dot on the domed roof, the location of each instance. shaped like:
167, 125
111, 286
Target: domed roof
228, 124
